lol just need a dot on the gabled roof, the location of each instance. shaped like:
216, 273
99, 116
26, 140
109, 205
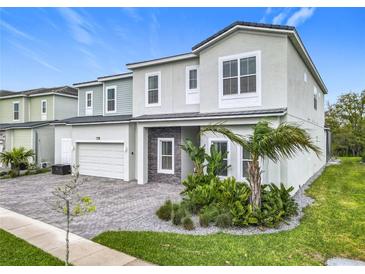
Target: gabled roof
24, 125
101, 79
63, 90
172, 58
94, 119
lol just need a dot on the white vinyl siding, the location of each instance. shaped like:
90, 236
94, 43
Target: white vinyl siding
153, 89
101, 159
165, 152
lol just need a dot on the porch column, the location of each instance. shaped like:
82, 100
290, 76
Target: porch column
142, 155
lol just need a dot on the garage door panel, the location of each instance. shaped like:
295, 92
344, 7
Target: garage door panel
101, 159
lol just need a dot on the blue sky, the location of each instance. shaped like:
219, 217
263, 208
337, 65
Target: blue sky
42, 47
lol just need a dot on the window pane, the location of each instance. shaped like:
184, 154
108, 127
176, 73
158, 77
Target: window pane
153, 96
193, 74
252, 65
245, 169
16, 107
246, 154
166, 148
244, 66
226, 86
226, 69
252, 83
153, 82
225, 171
166, 162
111, 105
16, 115
234, 68
193, 83
234, 86
244, 84
111, 94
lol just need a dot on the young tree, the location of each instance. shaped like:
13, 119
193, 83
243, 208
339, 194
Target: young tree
16, 157
69, 202
196, 154
266, 142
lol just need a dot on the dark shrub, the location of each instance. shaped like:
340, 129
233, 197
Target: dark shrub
204, 220
363, 158
224, 220
208, 215
187, 223
3, 173
178, 212
164, 212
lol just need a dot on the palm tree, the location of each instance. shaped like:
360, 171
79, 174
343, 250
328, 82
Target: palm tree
266, 141
15, 157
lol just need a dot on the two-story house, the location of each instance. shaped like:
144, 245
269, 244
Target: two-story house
100, 140
25, 118
245, 73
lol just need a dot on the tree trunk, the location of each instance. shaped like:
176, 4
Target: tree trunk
67, 232
255, 183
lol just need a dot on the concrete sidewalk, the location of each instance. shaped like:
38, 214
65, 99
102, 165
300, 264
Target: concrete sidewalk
52, 240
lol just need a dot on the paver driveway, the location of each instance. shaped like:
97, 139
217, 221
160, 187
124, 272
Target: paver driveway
119, 205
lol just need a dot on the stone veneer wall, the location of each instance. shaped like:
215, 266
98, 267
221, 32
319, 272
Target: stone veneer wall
168, 132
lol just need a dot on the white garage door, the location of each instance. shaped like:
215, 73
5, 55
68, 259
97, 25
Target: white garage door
102, 159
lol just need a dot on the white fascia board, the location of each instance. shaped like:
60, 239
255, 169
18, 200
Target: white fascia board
13, 96
127, 75
98, 123
212, 117
94, 83
162, 61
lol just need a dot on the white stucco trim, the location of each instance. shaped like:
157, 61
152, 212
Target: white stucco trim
222, 139
147, 75
54, 107
100, 141
89, 110
159, 156
106, 98
192, 95
24, 109
252, 99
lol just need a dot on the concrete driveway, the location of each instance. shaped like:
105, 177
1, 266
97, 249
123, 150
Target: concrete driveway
119, 205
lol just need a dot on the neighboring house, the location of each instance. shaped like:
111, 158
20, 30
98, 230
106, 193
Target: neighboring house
25, 118
101, 139
245, 73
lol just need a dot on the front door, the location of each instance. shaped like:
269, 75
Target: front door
66, 151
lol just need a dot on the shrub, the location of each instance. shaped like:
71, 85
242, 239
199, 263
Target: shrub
187, 223
164, 212
363, 158
178, 213
224, 220
3, 173
208, 215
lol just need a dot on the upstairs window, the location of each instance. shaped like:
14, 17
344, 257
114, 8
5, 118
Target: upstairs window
193, 79
89, 100
44, 107
315, 98
111, 99
192, 85
153, 89
16, 111
239, 76
222, 146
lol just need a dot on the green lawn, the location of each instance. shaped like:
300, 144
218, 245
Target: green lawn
15, 251
333, 226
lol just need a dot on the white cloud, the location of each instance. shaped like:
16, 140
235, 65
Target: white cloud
13, 30
81, 28
133, 14
278, 19
34, 56
300, 16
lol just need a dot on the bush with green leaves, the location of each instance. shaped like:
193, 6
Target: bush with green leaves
16, 158
165, 211
178, 213
363, 158
208, 215
223, 220
188, 223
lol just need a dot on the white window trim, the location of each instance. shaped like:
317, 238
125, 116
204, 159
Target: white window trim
305, 77
147, 75
106, 99
159, 156
315, 97
210, 141
251, 95
187, 78
239, 164
92, 102
16, 102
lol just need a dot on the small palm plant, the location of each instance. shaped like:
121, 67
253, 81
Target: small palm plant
196, 154
16, 157
267, 142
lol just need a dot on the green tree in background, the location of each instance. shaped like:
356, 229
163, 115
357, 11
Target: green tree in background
346, 119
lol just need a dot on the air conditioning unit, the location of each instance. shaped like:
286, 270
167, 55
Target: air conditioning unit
44, 164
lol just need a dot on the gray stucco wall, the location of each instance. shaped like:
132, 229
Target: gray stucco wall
97, 99
153, 135
65, 107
